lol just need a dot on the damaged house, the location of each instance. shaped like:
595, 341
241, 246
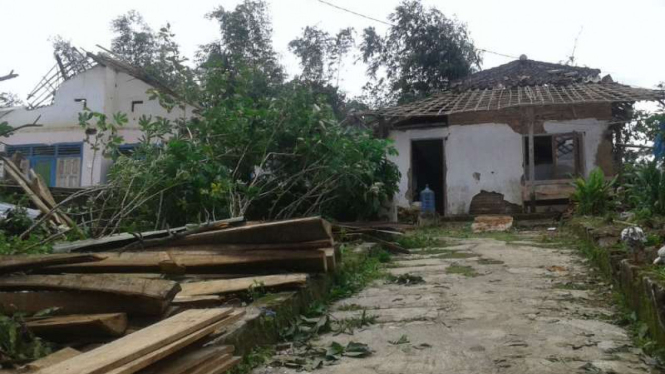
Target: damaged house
56, 149
509, 139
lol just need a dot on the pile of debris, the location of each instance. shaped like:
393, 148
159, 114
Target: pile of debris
172, 291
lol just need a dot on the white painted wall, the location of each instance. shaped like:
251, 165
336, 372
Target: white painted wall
493, 150
593, 131
106, 91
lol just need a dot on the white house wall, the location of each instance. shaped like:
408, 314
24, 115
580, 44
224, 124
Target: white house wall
106, 91
485, 157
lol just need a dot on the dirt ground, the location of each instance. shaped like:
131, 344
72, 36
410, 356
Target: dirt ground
488, 306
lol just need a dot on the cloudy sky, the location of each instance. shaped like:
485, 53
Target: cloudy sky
622, 38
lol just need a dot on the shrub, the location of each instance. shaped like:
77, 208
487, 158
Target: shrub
646, 189
594, 195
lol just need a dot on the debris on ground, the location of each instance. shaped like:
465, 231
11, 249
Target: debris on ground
492, 223
148, 302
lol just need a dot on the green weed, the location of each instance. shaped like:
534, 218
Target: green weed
405, 279
466, 271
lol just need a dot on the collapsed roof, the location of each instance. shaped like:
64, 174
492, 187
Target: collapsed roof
522, 82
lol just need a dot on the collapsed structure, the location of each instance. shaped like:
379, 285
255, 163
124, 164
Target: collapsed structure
99, 83
509, 137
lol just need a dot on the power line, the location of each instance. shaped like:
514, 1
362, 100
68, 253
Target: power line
355, 13
390, 24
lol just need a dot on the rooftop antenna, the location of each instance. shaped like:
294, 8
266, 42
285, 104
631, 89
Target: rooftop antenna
571, 59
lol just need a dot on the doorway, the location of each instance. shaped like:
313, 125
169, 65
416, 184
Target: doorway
428, 169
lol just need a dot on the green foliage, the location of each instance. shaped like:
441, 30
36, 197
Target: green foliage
418, 239
593, 196
320, 53
642, 127
421, 53
257, 357
357, 271
645, 185
17, 344
464, 270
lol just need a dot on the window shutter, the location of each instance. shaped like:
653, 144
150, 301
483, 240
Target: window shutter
68, 172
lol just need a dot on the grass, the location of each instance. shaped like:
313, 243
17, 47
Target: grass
466, 271
257, 357
357, 271
419, 239
571, 286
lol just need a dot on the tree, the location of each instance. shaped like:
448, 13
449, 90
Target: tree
421, 53
321, 54
245, 43
134, 40
156, 52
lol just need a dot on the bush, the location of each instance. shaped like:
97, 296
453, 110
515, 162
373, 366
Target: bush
262, 158
646, 189
594, 195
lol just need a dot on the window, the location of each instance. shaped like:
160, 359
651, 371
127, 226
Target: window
58, 164
555, 156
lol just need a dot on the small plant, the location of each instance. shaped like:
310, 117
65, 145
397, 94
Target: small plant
466, 271
402, 340
593, 196
17, 344
348, 325
420, 239
257, 290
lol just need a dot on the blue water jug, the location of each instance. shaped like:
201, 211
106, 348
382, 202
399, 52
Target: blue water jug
427, 203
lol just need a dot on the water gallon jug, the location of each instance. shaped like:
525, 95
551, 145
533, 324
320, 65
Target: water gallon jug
427, 204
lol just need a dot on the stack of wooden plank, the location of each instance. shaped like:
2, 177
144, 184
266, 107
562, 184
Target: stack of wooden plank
173, 345
111, 291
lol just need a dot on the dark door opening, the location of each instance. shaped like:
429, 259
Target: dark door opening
427, 169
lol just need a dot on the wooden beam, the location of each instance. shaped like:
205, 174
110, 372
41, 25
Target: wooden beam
166, 350
52, 359
9, 264
140, 344
218, 287
314, 244
73, 302
239, 262
182, 362
118, 285
66, 328
291, 231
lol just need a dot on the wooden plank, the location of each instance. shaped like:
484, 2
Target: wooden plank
122, 239
61, 328
72, 302
139, 344
291, 231
331, 259
188, 360
166, 350
239, 262
197, 301
52, 359
107, 283
222, 286
18, 177
223, 247
9, 264
226, 366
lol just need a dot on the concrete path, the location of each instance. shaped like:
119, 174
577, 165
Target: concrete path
487, 306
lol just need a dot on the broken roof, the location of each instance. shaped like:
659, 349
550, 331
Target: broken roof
523, 82
135, 71
525, 72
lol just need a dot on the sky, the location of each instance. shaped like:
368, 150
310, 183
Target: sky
622, 38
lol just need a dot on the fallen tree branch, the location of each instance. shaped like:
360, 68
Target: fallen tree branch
11, 75
142, 244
